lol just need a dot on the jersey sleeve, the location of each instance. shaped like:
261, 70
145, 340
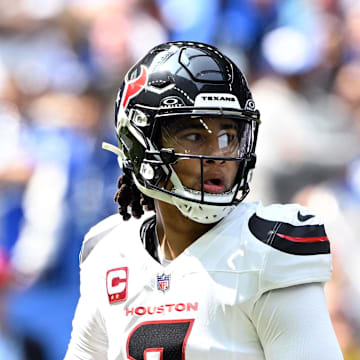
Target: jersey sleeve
294, 324
88, 338
295, 247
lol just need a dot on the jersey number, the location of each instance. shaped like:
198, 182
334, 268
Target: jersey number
159, 340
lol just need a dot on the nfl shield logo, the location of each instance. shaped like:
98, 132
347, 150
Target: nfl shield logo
163, 282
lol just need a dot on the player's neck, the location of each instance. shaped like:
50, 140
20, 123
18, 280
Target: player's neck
176, 232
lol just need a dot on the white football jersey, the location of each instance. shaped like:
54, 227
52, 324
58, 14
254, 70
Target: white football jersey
200, 305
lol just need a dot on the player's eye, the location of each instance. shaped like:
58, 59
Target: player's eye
193, 137
227, 139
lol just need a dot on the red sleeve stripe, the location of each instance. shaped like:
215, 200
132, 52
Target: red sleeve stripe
299, 239
304, 239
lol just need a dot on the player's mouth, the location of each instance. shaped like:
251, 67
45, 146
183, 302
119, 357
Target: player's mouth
214, 185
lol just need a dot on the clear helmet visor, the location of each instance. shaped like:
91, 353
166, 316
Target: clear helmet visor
217, 137
209, 152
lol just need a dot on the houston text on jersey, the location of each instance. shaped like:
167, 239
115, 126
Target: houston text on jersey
167, 308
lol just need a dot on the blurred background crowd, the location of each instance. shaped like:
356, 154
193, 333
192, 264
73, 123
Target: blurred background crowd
61, 63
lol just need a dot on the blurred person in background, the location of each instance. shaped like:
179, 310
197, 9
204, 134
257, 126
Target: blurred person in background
236, 27
14, 345
308, 123
15, 171
118, 34
352, 30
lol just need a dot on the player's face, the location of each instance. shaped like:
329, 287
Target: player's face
217, 137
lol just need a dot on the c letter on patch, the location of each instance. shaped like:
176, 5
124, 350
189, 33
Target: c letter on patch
117, 284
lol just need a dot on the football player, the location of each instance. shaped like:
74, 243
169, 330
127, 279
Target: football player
208, 276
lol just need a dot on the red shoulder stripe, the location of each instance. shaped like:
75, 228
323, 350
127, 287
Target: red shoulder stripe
304, 239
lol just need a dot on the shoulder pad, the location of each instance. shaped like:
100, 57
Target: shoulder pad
290, 229
96, 233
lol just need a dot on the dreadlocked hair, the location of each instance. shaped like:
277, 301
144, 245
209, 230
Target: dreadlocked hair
128, 195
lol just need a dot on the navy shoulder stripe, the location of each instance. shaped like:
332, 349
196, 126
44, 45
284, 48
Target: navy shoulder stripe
297, 240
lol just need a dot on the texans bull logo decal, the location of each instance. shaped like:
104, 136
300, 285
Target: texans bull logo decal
134, 87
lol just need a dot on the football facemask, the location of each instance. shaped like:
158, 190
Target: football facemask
204, 160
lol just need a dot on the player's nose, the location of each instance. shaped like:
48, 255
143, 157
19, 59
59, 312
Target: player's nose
214, 161
214, 149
